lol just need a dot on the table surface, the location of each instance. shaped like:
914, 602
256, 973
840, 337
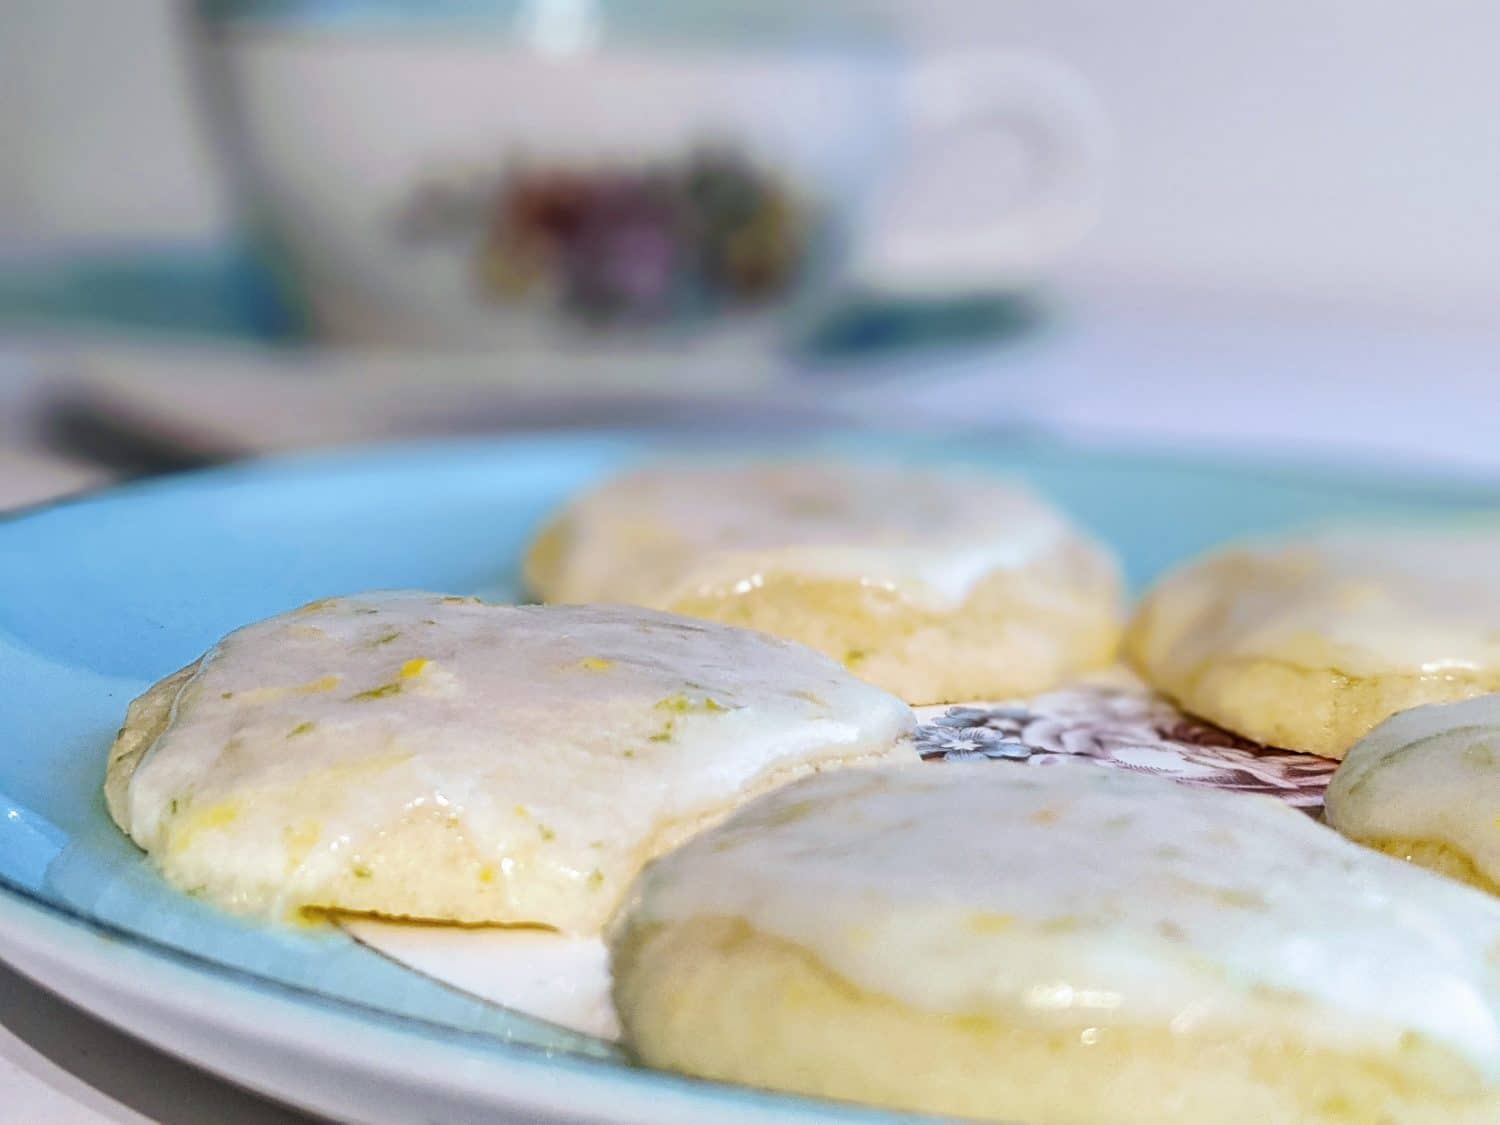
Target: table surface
61, 1066
1127, 368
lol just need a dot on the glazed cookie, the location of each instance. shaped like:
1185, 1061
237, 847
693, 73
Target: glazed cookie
936, 585
422, 756
1064, 945
1425, 786
1308, 645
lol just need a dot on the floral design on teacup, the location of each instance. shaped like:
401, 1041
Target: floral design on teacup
677, 239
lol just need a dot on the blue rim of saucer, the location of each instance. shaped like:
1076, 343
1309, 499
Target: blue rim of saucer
220, 290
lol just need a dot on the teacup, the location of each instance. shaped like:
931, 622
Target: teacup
478, 173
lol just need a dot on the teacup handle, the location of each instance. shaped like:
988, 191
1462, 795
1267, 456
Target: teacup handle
1042, 139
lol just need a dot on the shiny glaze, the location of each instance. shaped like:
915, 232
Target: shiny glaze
661, 535
1428, 774
1421, 603
1075, 898
565, 743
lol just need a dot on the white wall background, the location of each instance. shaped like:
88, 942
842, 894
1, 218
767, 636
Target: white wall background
1321, 148
1328, 147
97, 132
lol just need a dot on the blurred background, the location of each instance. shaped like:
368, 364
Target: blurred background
236, 227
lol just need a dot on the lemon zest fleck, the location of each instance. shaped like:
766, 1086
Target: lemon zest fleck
183, 831
378, 692
217, 816
680, 704
300, 841
988, 922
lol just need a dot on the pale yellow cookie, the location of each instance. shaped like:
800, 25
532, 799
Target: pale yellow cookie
423, 756
938, 585
1062, 946
1308, 645
1425, 786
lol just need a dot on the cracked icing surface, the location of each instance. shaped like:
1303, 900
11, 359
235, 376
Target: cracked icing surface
937, 585
428, 756
1309, 644
1085, 897
690, 531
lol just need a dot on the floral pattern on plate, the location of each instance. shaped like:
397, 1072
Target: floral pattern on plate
1117, 722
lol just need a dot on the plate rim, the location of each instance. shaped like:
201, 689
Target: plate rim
23, 914
1344, 474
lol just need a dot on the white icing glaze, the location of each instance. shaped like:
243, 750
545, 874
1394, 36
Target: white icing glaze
1079, 896
1428, 774
560, 739
1414, 602
657, 536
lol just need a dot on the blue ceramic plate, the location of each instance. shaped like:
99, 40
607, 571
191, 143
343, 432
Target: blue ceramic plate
102, 596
